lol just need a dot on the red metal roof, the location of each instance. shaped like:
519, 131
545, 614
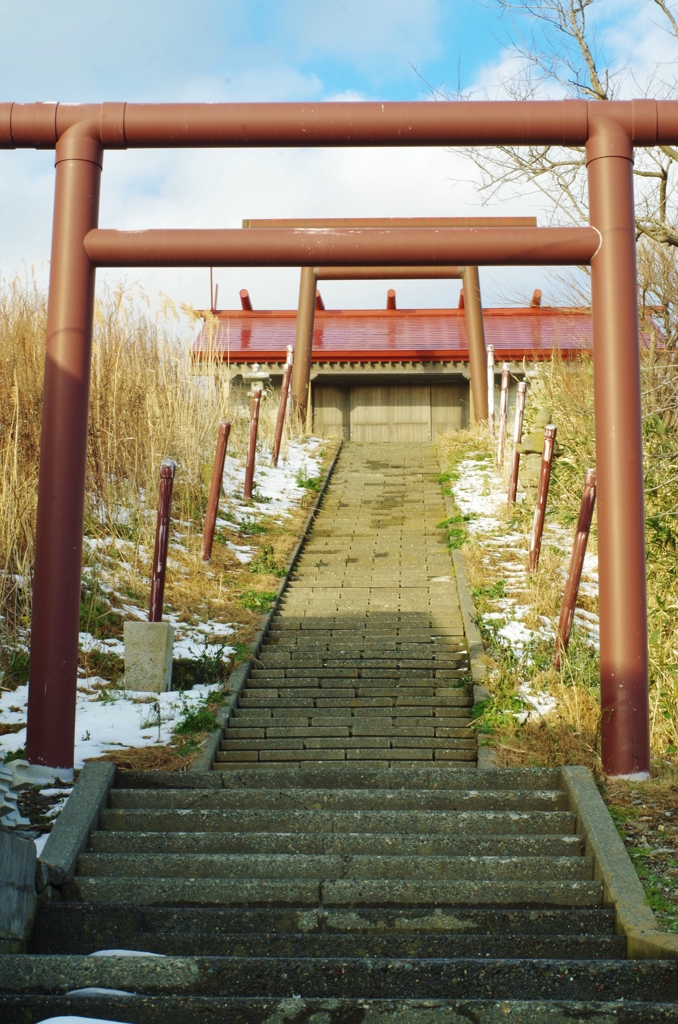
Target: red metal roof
407, 335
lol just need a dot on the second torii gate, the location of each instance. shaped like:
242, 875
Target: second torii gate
303, 351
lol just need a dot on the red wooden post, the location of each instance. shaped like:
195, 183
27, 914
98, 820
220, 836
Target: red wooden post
542, 495
282, 407
581, 537
252, 443
517, 435
503, 412
162, 528
490, 389
215, 489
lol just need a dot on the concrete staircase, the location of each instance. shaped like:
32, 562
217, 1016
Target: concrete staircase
338, 894
347, 863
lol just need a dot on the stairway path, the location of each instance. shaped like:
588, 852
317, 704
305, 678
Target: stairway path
366, 660
347, 863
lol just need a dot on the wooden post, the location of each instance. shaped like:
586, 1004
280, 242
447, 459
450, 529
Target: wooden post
503, 412
542, 496
215, 490
581, 537
162, 528
517, 436
252, 443
282, 407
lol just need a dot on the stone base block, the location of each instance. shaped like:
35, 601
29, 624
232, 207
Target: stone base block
148, 655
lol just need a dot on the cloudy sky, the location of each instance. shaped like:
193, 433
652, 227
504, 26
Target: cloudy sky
237, 50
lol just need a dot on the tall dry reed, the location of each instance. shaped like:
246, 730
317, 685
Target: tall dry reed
149, 400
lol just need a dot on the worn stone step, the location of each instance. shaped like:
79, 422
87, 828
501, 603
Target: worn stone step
274, 702
337, 844
373, 756
17, 1009
261, 716
83, 927
359, 978
356, 729
335, 893
372, 800
326, 866
349, 777
419, 822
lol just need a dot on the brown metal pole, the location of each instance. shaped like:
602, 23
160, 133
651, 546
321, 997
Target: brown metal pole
490, 389
503, 412
282, 407
303, 348
252, 443
216, 484
581, 537
475, 333
63, 452
391, 299
517, 436
162, 530
625, 741
542, 497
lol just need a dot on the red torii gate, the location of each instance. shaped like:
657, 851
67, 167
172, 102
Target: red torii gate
81, 132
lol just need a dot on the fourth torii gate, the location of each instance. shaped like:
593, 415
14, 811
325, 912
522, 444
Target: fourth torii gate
79, 133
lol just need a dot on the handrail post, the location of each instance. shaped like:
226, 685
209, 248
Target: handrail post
542, 496
216, 484
490, 389
503, 412
517, 436
167, 470
282, 407
581, 537
252, 443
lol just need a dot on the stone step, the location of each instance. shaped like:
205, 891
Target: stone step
358, 978
274, 703
253, 730
369, 742
159, 1009
364, 673
360, 724
83, 927
419, 822
341, 892
400, 716
346, 844
325, 866
349, 777
365, 800
368, 756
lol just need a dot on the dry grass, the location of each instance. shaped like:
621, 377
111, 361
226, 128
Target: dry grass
570, 734
147, 403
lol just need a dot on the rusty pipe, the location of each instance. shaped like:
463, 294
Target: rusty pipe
63, 454
450, 123
252, 443
517, 437
391, 299
581, 537
391, 222
162, 528
490, 389
282, 406
289, 247
625, 735
245, 300
386, 273
542, 497
216, 484
503, 412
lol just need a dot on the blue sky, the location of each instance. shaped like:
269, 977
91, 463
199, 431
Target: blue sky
236, 50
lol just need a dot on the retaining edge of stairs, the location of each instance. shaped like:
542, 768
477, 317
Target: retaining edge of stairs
622, 889
240, 675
